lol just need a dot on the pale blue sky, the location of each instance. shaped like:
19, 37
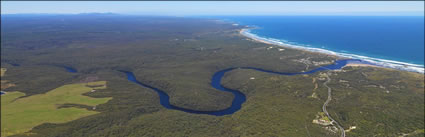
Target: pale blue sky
188, 8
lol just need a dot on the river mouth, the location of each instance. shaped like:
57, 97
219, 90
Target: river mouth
239, 97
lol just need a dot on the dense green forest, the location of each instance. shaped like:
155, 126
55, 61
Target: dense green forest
179, 56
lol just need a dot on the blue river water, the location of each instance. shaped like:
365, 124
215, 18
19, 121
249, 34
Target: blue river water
70, 69
15, 64
239, 97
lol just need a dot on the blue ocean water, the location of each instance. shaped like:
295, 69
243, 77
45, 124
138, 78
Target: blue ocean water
394, 38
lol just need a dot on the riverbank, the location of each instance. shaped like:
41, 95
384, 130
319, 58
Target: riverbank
367, 61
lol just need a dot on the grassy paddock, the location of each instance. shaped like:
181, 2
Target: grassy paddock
21, 115
2, 71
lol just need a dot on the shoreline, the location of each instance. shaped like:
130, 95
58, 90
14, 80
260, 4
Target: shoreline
256, 38
362, 65
369, 61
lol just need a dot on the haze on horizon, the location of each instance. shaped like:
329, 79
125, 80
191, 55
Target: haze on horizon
199, 8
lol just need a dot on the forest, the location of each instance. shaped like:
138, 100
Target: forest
179, 56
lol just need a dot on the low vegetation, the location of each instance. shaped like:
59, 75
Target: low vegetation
19, 115
2, 71
4, 83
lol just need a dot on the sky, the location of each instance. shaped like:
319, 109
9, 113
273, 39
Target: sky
196, 8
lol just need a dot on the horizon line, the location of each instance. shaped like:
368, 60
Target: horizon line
191, 15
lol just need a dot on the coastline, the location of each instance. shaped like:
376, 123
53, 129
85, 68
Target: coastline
362, 65
368, 61
245, 32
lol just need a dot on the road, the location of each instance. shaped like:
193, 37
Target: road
326, 104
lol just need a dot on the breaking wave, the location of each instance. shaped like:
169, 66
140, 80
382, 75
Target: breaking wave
374, 61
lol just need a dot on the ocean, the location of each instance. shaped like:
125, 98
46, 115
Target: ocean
390, 41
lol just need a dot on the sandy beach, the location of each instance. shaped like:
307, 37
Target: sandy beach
362, 65
283, 45
244, 33
366, 65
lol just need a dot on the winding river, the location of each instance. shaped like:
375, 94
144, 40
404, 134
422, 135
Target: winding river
68, 68
239, 97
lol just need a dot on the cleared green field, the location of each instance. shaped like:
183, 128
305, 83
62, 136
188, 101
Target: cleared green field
20, 115
2, 71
